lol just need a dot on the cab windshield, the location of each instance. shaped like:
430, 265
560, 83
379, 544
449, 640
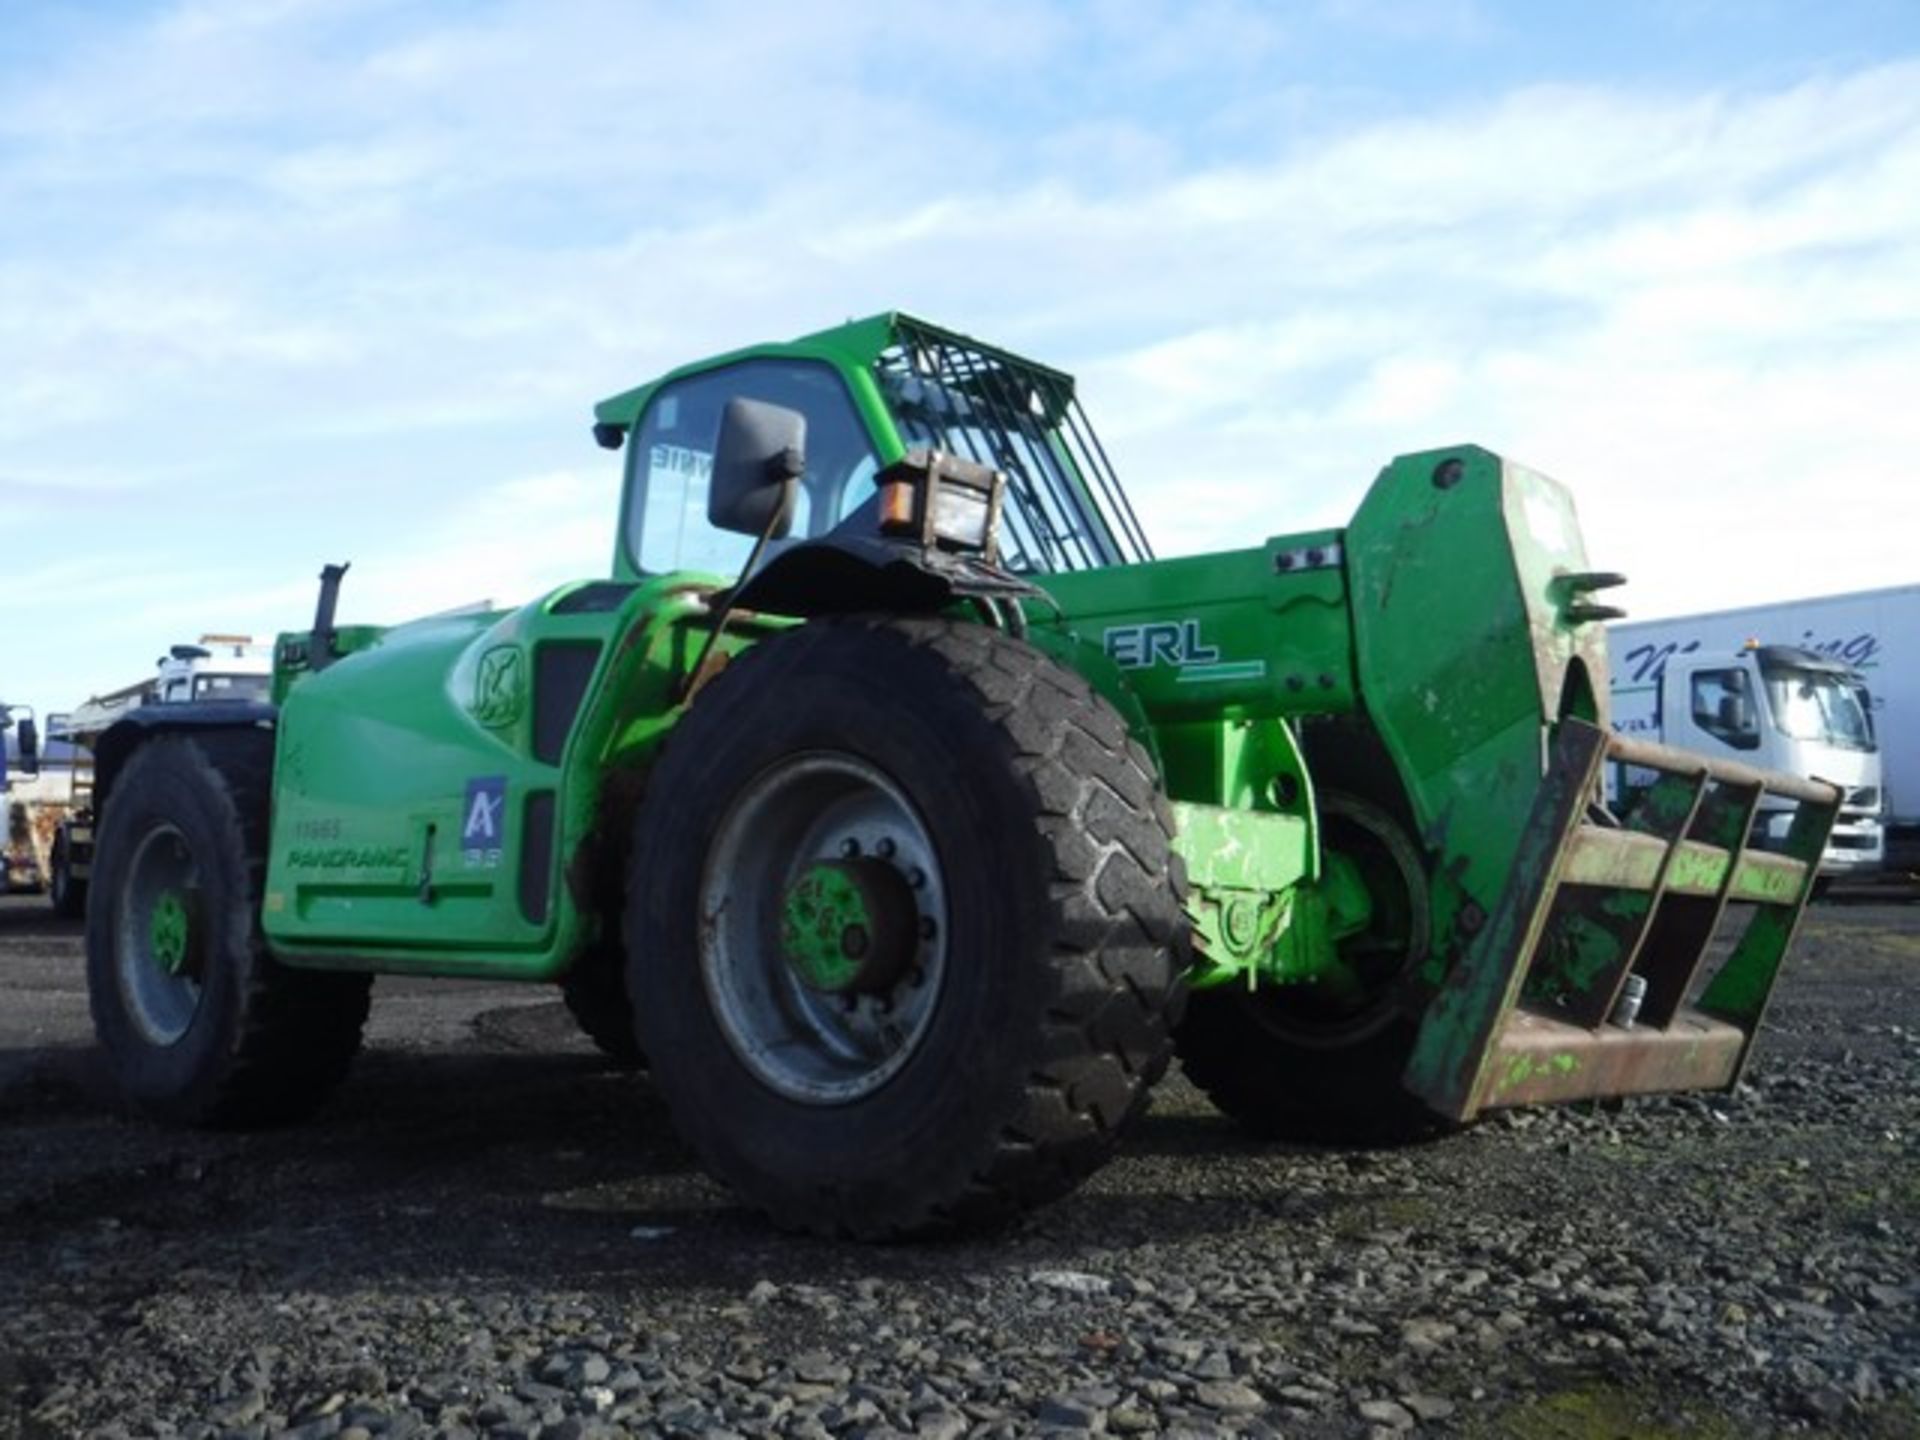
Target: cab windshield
667, 527
1817, 705
1063, 511
232, 687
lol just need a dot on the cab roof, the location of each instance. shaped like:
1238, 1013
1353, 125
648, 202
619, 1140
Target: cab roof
855, 345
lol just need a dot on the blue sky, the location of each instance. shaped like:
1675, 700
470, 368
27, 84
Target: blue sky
287, 281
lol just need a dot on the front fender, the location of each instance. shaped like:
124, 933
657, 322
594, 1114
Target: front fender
118, 742
848, 574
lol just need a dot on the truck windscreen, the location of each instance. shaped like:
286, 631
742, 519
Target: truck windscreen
232, 687
1817, 705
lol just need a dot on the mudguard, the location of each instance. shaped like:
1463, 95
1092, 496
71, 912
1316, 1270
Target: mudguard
841, 574
125, 735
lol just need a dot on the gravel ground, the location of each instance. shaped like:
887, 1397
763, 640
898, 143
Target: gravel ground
489, 1233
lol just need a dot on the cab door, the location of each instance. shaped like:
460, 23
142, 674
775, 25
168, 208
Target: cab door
1714, 706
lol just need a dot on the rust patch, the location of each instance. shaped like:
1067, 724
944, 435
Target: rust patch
1539, 1061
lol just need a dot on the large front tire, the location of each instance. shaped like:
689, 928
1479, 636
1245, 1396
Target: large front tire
199, 1024
1008, 975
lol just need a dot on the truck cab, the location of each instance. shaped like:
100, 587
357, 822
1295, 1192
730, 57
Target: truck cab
1778, 707
220, 667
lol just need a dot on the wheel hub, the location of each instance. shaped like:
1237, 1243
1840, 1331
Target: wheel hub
849, 926
824, 927
170, 933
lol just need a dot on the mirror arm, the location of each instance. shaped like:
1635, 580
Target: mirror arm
692, 682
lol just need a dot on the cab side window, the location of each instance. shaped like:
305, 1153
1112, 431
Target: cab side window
672, 462
1723, 707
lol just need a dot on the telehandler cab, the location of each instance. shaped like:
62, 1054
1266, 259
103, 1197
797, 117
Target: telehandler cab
904, 815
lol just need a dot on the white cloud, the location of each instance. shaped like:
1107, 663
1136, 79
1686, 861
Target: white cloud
362, 270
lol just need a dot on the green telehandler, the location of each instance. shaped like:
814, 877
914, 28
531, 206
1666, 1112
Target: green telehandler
904, 816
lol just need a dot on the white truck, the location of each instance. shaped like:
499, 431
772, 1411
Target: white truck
220, 667
1826, 687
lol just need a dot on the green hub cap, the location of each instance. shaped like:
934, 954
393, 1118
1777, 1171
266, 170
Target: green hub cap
848, 926
169, 933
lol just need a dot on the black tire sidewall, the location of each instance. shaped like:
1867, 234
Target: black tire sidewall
865, 693
595, 994
170, 782
67, 895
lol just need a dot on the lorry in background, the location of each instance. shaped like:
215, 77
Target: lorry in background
1779, 707
219, 667
1827, 686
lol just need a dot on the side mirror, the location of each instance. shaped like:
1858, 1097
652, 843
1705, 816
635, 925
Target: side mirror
756, 468
29, 746
1736, 716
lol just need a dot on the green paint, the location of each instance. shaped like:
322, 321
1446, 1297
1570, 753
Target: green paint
825, 927
1579, 955
169, 933
1521, 1068
1240, 849
1256, 918
1223, 670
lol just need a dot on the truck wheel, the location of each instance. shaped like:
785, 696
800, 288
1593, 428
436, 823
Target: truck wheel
199, 1024
905, 927
68, 895
595, 991
1297, 1062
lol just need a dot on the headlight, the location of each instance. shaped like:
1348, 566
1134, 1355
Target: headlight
940, 499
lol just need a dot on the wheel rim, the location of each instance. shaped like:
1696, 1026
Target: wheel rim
821, 1034
160, 938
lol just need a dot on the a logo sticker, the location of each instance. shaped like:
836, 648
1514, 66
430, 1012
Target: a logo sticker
483, 827
500, 687
1176, 643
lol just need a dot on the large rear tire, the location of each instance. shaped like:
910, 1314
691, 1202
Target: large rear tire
199, 1023
991, 1008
